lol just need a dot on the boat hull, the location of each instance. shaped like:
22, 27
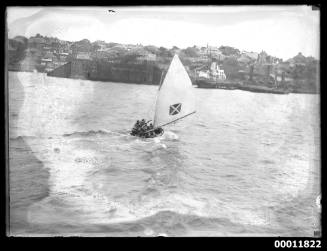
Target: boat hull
157, 132
228, 85
211, 84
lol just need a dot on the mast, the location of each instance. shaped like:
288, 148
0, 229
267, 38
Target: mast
160, 83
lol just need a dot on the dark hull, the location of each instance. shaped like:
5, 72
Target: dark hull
210, 84
227, 85
157, 134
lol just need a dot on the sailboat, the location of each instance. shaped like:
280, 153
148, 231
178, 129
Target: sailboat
175, 98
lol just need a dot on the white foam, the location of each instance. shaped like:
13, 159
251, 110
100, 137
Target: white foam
170, 135
156, 140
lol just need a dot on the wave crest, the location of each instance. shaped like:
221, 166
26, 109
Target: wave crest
87, 133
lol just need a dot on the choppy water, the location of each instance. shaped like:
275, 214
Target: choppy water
245, 164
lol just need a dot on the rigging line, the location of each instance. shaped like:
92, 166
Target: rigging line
178, 119
160, 84
171, 122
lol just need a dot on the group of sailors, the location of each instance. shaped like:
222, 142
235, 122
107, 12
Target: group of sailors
143, 129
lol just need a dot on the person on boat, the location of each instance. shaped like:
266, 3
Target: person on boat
139, 128
144, 130
135, 128
147, 132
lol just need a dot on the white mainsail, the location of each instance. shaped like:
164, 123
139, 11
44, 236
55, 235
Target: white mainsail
175, 96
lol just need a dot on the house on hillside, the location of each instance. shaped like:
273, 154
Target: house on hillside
131, 47
102, 54
264, 58
203, 54
148, 57
83, 55
214, 52
252, 55
137, 51
34, 53
118, 50
63, 56
46, 49
64, 46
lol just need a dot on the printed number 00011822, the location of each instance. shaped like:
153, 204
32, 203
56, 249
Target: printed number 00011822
297, 244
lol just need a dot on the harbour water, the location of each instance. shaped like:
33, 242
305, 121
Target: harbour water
246, 164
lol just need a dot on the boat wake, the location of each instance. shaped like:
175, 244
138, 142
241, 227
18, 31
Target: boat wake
83, 188
167, 134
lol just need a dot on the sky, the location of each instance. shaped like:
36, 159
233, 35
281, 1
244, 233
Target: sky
281, 31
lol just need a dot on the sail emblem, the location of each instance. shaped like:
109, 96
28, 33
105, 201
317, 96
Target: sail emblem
175, 109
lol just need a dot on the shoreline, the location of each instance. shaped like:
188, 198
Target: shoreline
242, 87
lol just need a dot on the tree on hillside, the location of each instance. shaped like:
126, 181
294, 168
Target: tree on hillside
152, 49
164, 52
230, 61
95, 47
310, 59
231, 66
299, 58
20, 50
111, 44
311, 70
82, 45
191, 52
22, 39
228, 51
185, 61
297, 71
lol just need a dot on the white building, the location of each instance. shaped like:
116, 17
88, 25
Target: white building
216, 72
